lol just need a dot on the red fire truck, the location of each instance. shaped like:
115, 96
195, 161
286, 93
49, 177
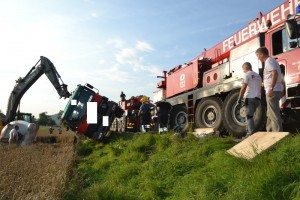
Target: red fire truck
130, 121
204, 91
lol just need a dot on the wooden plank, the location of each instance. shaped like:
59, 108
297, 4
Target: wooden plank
203, 132
256, 144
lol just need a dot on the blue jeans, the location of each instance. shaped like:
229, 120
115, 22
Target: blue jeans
251, 104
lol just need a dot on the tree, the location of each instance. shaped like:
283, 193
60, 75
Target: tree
45, 120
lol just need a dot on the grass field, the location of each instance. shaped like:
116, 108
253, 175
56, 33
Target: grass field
37, 171
150, 166
44, 135
147, 166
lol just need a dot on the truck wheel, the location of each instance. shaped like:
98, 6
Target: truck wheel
179, 118
208, 113
234, 116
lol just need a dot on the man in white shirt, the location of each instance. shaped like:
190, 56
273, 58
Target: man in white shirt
251, 91
13, 134
273, 87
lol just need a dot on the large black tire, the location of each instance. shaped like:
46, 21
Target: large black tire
208, 114
234, 116
179, 118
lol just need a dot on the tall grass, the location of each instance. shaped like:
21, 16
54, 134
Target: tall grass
151, 166
38, 171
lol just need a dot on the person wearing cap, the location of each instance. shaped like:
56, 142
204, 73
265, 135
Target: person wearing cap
145, 114
251, 91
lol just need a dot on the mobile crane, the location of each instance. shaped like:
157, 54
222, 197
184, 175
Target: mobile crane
204, 91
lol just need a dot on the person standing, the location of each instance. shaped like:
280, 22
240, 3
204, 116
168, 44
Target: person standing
251, 91
163, 109
51, 129
59, 130
122, 96
13, 135
273, 88
145, 114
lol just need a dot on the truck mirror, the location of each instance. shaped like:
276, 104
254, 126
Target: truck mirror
291, 27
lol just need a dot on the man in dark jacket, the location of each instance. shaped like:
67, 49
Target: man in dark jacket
163, 109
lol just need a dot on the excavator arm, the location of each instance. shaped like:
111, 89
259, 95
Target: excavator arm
43, 66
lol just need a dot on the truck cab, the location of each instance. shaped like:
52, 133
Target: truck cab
75, 112
284, 45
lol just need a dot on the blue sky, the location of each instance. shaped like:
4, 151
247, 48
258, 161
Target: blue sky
115, 45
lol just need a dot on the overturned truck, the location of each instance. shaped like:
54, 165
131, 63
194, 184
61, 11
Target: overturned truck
75, 115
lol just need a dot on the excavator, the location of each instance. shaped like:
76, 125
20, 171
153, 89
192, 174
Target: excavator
75, 115
43, 66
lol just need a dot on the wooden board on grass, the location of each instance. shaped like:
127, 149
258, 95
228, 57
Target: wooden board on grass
202, 132
256, 144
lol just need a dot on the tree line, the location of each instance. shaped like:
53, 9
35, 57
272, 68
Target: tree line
43, 120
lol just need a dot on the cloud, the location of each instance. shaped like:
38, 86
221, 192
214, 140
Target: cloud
114, 73
128, 56
136, 58
144, 46
93, 14
117, 43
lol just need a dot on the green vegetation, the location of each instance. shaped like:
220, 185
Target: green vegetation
152, 166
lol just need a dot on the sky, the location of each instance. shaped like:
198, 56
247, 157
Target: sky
115, 45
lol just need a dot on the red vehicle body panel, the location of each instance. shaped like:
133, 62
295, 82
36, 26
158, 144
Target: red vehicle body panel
181, 79
83, 124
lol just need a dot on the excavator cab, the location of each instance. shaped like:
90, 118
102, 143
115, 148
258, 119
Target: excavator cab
28, 117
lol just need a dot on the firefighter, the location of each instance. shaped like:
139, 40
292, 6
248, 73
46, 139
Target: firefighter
163, 109
251, 91
273, 87
145, 114
122, 96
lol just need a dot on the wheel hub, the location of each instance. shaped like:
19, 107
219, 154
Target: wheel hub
243, 112
181, 118
209, 116
238, 114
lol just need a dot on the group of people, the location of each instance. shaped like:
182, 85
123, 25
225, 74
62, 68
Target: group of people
51, 129
162, 109
251, 91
